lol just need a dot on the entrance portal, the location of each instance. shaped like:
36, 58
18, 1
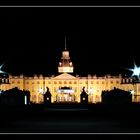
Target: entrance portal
65, 94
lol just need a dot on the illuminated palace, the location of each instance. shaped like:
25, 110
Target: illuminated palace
66, 87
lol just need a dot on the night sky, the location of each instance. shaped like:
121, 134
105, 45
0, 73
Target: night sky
100, 40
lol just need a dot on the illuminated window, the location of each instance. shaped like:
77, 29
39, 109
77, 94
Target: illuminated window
12, 82
18, 82
70, 82
86, 82
43, 82
111, 82
112, 87
38, 82
65, 82
97, 82
75, 82
139, 88
55, 89
32, 82
49, 82
32, 90
55, 82
60, 82
102, 82
34, 97
27, 82
117, 82
91, 82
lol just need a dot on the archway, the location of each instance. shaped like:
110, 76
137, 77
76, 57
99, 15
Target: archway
65, 94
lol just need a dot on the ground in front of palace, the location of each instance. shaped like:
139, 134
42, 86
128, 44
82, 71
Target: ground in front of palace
62, 118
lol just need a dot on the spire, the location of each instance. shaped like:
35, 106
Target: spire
65, 44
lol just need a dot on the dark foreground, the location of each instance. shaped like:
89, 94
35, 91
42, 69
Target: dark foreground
72, 118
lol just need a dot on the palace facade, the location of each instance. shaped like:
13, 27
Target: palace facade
67, 87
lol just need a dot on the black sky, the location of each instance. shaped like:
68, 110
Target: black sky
100, 40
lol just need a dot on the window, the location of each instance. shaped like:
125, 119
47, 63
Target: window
55, 82
117, 82
75, 82
65, 82
91, 82
55, 89
102, 82
49, 82
18, 82
38, 82
70, 82
32, 82
139, 88
60, 82
12, 82
27, 83
97, 82
34, 97
75, 89
112, 87
111, 82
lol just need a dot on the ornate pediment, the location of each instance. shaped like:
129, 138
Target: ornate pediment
65, 76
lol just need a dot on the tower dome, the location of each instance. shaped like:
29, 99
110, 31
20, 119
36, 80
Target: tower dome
65, 64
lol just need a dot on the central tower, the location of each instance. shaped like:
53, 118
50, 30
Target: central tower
65, 64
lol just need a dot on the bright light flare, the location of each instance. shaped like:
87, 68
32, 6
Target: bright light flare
1, 68
132, 92
135, 70
40, 90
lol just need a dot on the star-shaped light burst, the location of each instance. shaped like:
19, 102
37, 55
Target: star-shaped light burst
135, 70
1, 68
